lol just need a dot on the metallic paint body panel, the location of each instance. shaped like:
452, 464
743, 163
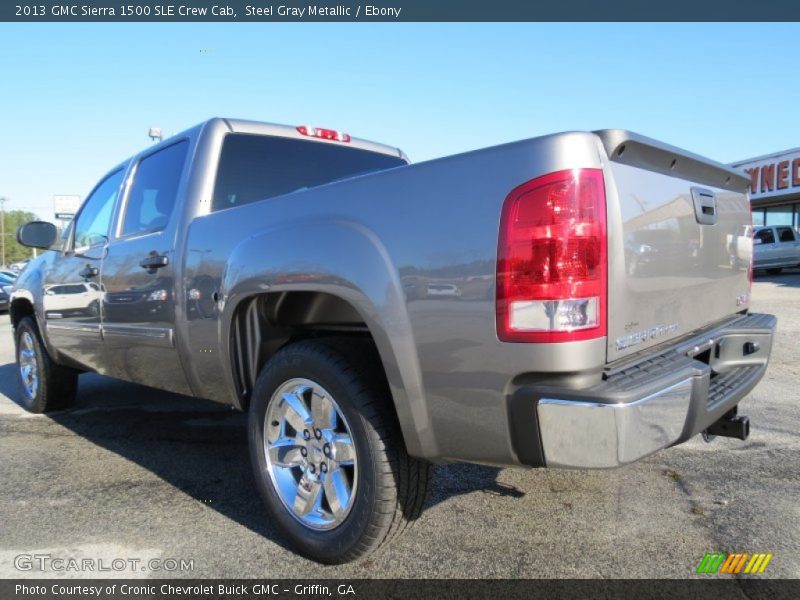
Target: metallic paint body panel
665, 268
76, 334
367, 240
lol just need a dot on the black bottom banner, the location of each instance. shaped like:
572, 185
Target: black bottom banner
407, 589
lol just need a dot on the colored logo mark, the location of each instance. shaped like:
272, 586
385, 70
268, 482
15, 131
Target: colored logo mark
736, 562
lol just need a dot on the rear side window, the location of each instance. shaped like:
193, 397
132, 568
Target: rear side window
785, 234
255, 167
154, 191
766, 236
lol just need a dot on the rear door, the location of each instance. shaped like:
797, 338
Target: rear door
138, 275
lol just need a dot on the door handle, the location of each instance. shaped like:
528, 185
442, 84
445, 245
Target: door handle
89, 271
153, 262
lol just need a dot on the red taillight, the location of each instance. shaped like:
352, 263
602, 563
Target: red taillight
552, 259
324, 134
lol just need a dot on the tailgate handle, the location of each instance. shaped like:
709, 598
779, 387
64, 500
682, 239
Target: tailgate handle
705, 206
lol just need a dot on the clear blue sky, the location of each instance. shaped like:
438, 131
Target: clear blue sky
76, 99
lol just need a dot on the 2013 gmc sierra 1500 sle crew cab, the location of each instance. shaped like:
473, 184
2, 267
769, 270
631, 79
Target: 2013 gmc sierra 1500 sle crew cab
563, 301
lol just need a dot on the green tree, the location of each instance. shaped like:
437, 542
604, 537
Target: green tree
14, 250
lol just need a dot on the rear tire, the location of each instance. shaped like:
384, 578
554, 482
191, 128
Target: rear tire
44, 385
387, 488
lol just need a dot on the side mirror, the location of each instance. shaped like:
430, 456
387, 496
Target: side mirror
757, 241
37, 234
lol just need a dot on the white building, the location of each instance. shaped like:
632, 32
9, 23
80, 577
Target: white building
774, 187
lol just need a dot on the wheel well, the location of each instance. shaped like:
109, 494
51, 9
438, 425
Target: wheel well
19, 308
265, 323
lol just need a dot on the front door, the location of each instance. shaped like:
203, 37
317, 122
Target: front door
138, 276
72, 292
765, 247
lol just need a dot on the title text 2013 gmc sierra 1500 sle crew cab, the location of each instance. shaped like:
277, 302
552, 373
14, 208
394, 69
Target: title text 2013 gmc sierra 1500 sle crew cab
563, 301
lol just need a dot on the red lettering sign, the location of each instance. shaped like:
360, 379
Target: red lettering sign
754, 177
767, 178
783, 175
796, 172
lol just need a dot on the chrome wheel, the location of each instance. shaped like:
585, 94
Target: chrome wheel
310, 454
28, 369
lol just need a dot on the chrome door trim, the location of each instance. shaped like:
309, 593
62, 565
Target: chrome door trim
74, 326
151, 336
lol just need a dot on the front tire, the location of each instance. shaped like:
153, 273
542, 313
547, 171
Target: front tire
44, 385
327, 453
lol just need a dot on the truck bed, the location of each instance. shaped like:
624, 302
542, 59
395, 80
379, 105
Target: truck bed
415, 249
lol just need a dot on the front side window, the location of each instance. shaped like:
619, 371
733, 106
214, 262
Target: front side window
766, 236
92, 223
256, 167
154, 191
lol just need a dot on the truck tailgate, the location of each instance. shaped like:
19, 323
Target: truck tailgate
679, 254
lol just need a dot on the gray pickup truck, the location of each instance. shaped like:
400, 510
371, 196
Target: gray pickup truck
565, 301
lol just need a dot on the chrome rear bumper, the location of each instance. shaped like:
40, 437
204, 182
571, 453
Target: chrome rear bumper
660, 401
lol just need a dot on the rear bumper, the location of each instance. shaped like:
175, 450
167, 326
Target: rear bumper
658, 402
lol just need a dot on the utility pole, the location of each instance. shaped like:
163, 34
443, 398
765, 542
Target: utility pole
3, 228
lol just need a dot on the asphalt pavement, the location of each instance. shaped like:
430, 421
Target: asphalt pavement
135, 475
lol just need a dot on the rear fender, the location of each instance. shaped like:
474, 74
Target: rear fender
347, 260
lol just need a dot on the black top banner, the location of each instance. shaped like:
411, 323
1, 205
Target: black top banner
399, 10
